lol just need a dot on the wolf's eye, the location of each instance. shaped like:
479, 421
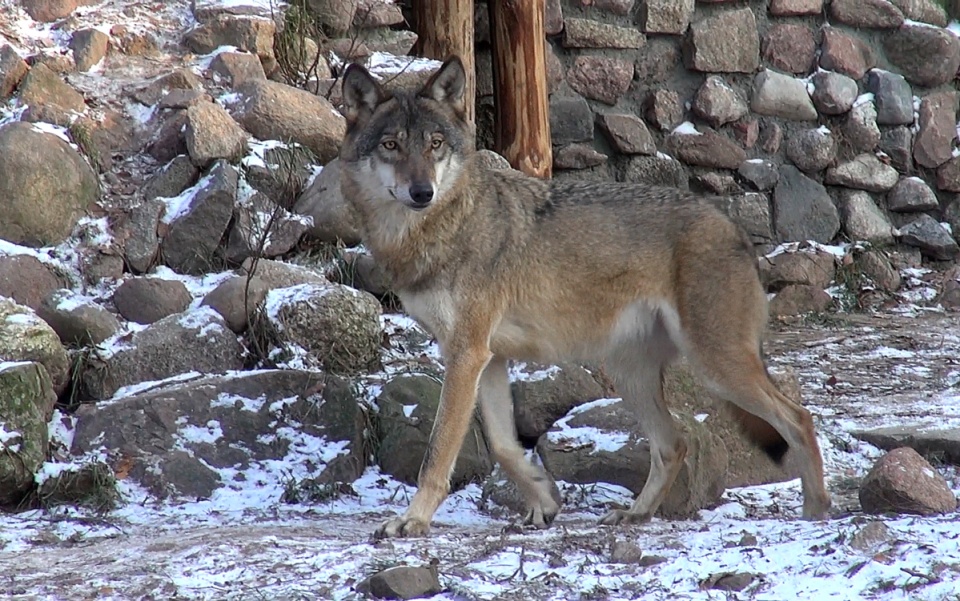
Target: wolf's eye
389, 144
436, 143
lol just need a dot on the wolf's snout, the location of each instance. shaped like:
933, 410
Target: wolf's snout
421, 194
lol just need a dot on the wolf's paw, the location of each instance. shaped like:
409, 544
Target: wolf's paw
815, 509
622, 516
541, 517
402, 527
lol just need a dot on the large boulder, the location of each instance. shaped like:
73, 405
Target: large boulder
26, 337
543, 394
26, 401
198, 218
338, 326
45, 186
408, 408
275, 111
178, 436
334, 219
602, 441
194, 341
904, 482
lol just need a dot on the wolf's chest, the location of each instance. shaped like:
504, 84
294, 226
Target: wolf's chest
433, 309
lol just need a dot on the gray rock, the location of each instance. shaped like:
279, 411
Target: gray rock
925, 11
893, 95
334, 219
543, 394
27, 280
337, 325
877, 267
658, 170
727, 42
260, 416
236, 300
26, 401
790, 47
665, 16
846, 53
77, 319
718, 103
277, 274
802, 208
89, 46
815, 269
571, 119
618, 454
195, 340
149, 299
812, 150
26, 337
926, 56
628, 134
237, 67
262, 228
408, 408
577, 156
275, 111
663, 109
863, 172
864, 220
705, 149
912, 194
761, 174
213, 134
600, 78
833, 93
12, 70
897, 143
798, 299
751, 211
172, 179
38, 169
859, 129
402, 582
194, 236
933, 144
795, 8
778, 95
866, 14
141, 242
933, 444
930, 237
587, 33
250, 33
904, 482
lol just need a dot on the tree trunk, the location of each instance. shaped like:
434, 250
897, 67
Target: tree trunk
445, 28
520, 85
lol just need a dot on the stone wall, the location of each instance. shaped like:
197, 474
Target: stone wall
822, 121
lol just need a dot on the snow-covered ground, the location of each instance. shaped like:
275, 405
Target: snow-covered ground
246, 543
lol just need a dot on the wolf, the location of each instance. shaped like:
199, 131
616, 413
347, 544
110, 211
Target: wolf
500, 266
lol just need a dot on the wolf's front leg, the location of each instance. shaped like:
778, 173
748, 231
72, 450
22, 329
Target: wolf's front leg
457, 402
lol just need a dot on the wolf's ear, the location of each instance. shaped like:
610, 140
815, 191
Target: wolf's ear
448, 85
361, 93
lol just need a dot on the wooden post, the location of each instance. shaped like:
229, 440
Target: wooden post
520, 85
445, 28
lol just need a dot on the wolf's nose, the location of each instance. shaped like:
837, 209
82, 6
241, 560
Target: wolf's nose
421, 194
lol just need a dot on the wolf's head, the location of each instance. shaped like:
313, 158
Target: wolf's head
404, 146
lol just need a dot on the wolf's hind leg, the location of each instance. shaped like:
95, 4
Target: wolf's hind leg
496, 406
637, 370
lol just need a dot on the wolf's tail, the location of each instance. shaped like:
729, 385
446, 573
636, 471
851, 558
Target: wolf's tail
761, 433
